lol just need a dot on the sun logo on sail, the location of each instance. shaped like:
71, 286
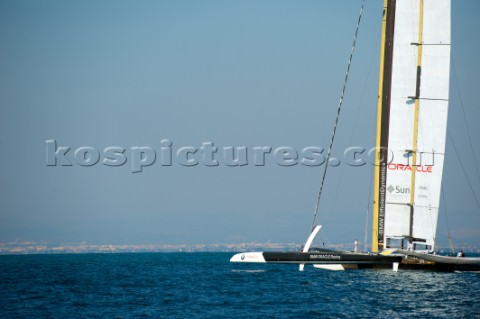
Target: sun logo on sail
398, 190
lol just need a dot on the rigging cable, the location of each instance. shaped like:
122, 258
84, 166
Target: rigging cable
359, 107
464, 171
446, 222
338, 115
466, 123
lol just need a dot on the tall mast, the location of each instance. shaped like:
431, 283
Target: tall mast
383, 115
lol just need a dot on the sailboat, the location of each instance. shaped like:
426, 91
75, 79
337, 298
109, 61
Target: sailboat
413, 94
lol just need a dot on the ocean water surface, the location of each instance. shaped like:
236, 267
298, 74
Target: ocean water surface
206, 285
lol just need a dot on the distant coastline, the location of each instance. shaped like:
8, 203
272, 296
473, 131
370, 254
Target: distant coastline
24, 248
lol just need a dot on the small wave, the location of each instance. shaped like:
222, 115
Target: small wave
249, 270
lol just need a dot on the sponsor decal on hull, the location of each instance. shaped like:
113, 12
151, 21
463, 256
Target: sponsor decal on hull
316, 256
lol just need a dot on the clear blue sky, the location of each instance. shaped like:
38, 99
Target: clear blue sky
239, 73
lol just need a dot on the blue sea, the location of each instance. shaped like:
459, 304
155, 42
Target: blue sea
207, 285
